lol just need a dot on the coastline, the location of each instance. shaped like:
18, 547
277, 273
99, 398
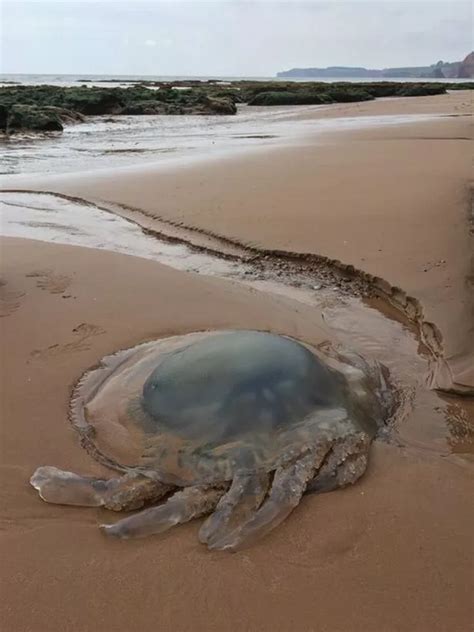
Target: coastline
395, 549
335, 195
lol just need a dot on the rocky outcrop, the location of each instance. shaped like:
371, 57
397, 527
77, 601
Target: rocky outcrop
69, 117
48, 108
288, 98
32, 118
303, 94
3, 117
145, 108
421, 90
91, 101
466, 69
204, 105
221, 105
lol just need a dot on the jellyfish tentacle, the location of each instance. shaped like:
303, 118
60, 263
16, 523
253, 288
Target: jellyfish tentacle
66, 488
244, 497
345, 464
191, 502
289, 485
133, 491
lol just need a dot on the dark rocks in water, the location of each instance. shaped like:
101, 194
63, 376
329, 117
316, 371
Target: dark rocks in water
197, 101
3, 117
405, 89
338, 95
145, 107
340, 92
49, 108
71, 104
32, 118
67, 116
93, 101
22, 118
289, 98
205, 105
220, 105
422, 90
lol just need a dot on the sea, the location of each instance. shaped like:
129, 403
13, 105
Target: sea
103, 142
107, 80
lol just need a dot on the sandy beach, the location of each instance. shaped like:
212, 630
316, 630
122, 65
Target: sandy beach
352, 196
392, 553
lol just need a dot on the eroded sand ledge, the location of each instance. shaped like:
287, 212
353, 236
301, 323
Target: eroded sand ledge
389, 204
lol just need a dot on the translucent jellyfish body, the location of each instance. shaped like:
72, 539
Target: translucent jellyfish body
235, 424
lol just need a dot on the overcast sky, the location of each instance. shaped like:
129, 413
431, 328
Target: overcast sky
228, 37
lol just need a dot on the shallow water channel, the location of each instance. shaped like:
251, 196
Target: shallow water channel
426, 419
118, 141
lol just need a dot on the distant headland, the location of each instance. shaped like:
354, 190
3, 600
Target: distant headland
441, 70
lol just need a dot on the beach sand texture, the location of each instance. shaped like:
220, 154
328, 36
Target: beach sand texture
392, 201
394, 552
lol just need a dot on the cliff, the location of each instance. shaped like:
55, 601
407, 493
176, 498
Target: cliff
441, 70
466, 70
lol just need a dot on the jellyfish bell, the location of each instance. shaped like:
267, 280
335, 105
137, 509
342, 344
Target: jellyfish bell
237, 423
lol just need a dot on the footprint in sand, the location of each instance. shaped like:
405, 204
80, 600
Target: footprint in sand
50, 281
10, 300
81, 342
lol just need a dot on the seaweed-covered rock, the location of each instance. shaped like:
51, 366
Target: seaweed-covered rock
315, 96
421, 90
222, 105
290, 98
250, 89
33, 118
181, 105
344, 95
145, 107
402, 89
3, 117
94, 100
69, 117
46, 108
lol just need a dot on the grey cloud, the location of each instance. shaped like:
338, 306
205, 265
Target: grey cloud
228, 37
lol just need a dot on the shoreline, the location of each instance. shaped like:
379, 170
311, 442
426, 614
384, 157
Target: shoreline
410, 513
387, 202
429, 285
132, 141
356, 282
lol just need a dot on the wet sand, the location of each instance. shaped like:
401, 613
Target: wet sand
393, 549
394, 552
392, 201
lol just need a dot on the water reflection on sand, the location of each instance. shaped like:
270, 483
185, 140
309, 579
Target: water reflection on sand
109, 141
